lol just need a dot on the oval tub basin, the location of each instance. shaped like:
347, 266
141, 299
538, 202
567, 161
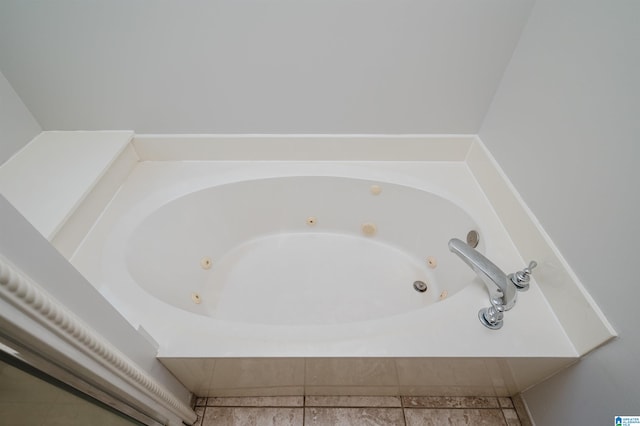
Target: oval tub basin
304, 250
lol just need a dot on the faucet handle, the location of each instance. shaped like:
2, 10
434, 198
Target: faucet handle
528, 269
521, 278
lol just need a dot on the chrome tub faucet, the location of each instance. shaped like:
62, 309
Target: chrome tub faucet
502, 288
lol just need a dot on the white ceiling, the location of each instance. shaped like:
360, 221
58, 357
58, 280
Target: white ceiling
259, 66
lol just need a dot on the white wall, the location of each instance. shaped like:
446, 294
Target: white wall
565, 127
17, 125
255, 66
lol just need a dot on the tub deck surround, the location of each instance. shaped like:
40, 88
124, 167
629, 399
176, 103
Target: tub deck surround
192, 333
578, 313
52, 175
241, 355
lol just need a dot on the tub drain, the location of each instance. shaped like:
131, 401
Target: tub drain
473, 238
420, 286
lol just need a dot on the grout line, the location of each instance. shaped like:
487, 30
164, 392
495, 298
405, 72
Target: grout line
258, 406
351, 406
453, 408
404, 412
402, 406
506, 422
316, 406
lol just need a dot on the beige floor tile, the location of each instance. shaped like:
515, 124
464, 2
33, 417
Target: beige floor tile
505, 402
200, 413
352, 401
252, 416
365, 416
454, 417
511, 417
450, 401
258, 401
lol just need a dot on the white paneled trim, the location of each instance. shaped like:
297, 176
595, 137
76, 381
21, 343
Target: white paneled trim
62, 325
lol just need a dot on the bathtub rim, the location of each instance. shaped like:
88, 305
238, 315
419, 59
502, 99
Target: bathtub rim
476, 295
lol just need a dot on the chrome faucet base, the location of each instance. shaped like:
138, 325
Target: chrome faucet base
489, 320
503, 288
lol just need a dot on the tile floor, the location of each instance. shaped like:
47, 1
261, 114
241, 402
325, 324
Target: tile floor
360, 410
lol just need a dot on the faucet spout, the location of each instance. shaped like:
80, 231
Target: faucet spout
491, 275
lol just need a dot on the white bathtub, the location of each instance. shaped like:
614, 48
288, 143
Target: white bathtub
260, 277
299, 251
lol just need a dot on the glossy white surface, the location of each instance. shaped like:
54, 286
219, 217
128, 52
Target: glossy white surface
45, 181
296, 250
448, 328
82, 218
